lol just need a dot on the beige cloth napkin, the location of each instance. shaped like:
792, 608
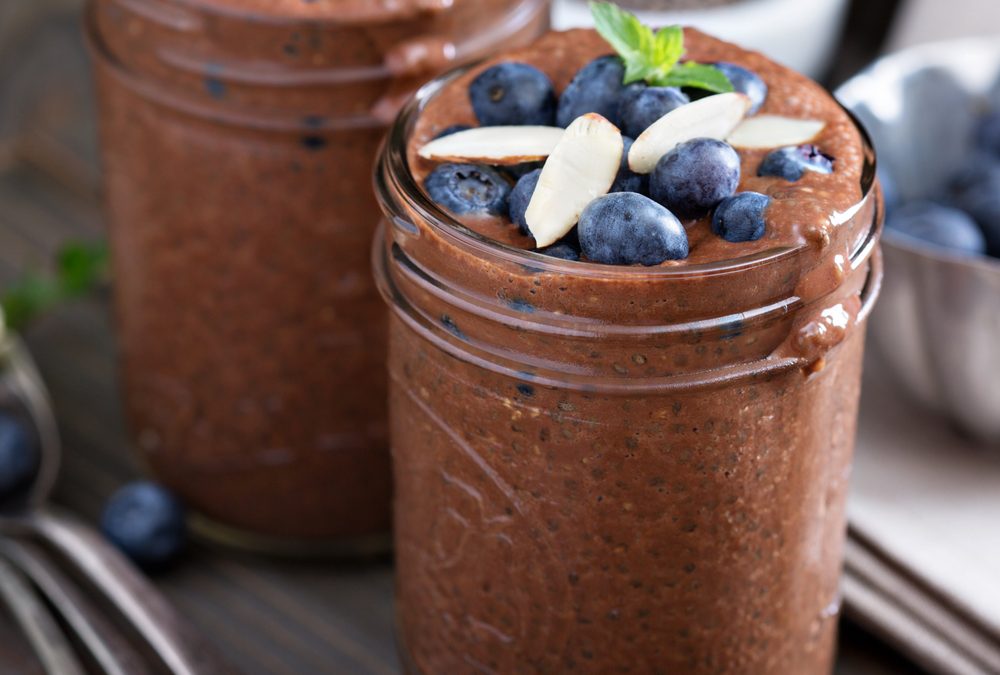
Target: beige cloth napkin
923, 556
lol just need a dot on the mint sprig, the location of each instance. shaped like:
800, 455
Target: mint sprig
79, 268
653, 57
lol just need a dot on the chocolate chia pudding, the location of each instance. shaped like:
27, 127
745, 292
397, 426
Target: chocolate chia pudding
238, 142
625, 468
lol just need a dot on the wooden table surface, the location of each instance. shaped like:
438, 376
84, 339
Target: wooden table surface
267, 616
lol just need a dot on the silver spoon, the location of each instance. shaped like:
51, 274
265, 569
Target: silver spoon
181, 650
108, 648
47, 639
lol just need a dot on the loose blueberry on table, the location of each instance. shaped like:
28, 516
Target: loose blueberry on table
146, 522
640, 146
19, 457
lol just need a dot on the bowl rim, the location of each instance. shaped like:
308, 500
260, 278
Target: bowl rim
913, 246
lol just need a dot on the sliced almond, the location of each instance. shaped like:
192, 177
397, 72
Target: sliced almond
712, 117
581, 168
497, 146
774, 131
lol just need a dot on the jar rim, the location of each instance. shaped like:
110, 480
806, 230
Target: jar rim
328, 15
394, 178
176, 79
182, 19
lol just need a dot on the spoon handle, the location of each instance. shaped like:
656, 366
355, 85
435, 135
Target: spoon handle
172, 639
26, 384
108, 648
47, 639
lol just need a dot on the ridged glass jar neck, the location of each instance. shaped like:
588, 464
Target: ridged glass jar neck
213, 54
516, 309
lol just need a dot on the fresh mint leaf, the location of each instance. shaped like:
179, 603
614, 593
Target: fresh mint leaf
697, 75
653, 57
633, 41
669, 47
622, 30
79, 268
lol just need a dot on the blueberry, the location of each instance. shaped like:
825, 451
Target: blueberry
468, 189
520, 197
519, 171
19, 456
642, 105
741, 217
979, 173
513, 93
453, 129
792, 162
596, 88
939, 225
628, 180
564, 251
146, 522
625, 228
746, 82
975, 188
567, 248
695, 176
988, 133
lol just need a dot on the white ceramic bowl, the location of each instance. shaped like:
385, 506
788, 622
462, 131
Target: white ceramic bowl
937, 324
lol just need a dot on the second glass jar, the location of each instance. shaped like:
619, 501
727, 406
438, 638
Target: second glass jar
238, 141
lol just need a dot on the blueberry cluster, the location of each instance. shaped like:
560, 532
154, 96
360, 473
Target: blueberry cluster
639, 220
965, 216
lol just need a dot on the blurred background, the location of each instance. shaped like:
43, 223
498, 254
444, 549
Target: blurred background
923, 583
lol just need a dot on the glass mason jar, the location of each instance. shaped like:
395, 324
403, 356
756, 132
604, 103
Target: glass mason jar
238, 140
607, 469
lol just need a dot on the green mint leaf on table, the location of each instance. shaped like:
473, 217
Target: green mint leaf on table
653, 57
79, 268
27, 297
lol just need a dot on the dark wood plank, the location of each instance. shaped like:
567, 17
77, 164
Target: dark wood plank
15, 655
